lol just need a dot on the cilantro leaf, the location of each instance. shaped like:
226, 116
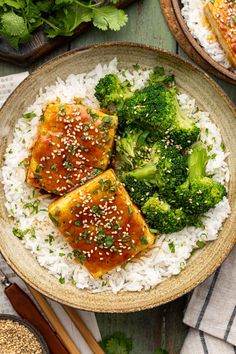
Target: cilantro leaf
13, 3
160, 351
19, 18
64, 22
109, 17
117, 343
12, 24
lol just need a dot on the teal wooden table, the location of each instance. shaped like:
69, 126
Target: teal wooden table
162, 326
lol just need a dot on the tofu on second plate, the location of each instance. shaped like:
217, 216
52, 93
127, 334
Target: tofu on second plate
74, 144
103, 226
221, 14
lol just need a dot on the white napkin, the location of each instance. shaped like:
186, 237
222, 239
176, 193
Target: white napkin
211, 313
7, 85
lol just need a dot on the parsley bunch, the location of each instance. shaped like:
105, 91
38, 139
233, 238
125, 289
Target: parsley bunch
19, 18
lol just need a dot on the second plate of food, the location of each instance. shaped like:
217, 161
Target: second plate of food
206, 30
118, 178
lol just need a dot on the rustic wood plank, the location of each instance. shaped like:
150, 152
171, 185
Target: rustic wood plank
175, 330
146, 25
145, 328
9, 68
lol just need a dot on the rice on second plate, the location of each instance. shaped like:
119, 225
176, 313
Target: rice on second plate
192, 12
28, 207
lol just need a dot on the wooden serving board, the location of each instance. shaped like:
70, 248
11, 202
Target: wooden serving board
172, 12
40, 45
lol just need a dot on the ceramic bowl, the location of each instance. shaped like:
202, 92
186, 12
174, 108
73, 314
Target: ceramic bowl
177, 24
209, 97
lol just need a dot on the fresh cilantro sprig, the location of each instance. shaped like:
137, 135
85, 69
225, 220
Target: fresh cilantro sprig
19, 18
117, 343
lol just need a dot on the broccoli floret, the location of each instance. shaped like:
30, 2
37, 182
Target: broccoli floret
166, 169
131, 148
161, 217
184, 131
152, 107
158, 76
199, 193
112, 93
139, 191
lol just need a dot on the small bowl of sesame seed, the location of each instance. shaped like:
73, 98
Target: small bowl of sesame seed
18, 336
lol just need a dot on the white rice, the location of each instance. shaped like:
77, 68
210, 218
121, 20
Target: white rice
192, 12
43, 239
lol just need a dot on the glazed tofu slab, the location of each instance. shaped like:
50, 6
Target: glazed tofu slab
102, 225
221, 14
74, 144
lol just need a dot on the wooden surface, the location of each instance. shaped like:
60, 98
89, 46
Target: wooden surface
161, 326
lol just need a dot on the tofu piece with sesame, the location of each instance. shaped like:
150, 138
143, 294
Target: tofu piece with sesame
73, 145
103, 226
221, 16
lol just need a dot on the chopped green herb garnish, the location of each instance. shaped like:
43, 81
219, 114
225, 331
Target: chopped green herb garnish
19, 233
108, 120
54, 167
136, 66
24, 163
200, 244
34, 206
54, 220
29, 115
143, 240
62, 280
130, 210
108, 242
171, 247
96, 209
79, 255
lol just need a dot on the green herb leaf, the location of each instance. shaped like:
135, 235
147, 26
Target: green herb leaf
109, 17
200, 244
19, 233
118, 343
29, 115
79, 255
171, 247
108, 242
143, 240
160, 351
62, 280
54, 220
12, 24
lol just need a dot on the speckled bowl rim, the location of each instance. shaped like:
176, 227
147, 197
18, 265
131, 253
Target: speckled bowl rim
30, 327
142, 304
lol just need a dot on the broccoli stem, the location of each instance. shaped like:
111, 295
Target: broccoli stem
146, 172
197, 162
184, 121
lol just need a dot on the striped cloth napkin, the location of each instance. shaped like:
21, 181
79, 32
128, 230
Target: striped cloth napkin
211, 313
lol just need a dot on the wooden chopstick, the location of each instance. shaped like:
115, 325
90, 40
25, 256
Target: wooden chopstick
55, 322
91, 341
